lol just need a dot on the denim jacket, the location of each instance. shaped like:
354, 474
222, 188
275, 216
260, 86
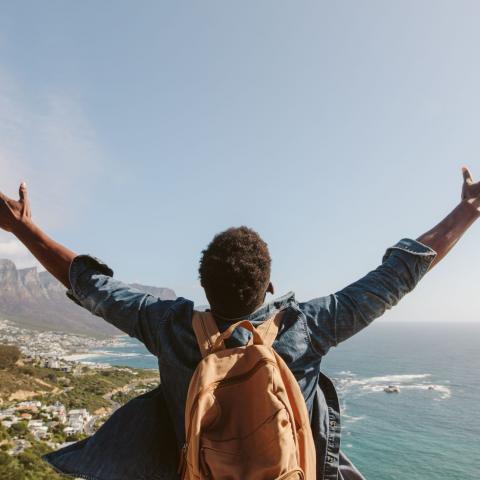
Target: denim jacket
309, 329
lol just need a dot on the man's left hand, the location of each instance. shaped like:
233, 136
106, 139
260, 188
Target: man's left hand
470, 189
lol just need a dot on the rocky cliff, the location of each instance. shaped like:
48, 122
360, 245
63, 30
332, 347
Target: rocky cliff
37, 300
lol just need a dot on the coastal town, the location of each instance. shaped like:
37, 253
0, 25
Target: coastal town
41, 420
51, 346
48, 399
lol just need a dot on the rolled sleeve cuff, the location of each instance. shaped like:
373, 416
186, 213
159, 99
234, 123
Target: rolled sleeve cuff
81, 269
424, 253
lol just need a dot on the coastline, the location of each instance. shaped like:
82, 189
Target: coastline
83, 356
122, 351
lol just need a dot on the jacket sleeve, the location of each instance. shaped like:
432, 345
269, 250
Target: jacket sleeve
136, 313
336, 317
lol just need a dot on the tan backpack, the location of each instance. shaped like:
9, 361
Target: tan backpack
245, 417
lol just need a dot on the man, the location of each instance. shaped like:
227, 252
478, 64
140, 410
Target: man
235, 274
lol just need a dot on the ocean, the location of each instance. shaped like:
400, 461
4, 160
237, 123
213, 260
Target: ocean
429, 430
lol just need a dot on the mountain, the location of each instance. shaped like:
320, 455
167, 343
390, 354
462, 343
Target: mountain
37, 300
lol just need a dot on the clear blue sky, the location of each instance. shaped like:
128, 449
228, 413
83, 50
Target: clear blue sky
333, 128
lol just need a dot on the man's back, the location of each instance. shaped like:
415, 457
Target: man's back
307, 332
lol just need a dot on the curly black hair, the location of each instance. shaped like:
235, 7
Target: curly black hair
235, 271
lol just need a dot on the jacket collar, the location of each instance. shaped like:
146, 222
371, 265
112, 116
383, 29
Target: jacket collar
265, 311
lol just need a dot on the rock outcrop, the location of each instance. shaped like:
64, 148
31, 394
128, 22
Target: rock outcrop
37, 300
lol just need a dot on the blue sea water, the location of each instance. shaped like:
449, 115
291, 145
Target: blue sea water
430, 430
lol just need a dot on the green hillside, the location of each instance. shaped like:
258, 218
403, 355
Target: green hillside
32, 396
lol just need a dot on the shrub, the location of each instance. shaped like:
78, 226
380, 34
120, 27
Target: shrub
19, 429
27, 370
9, 355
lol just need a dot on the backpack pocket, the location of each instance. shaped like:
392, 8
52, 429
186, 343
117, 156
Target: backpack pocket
267, 453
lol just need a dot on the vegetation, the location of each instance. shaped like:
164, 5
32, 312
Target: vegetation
83, 388
88, 390
9, 355
124, 397
27, 465
15, 379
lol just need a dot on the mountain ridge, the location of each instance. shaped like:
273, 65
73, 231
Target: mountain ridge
38, 300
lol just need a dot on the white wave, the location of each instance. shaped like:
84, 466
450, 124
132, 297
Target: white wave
444, 391
351, 418
107, 353
116, 354
390, 379
76, 357
377, 384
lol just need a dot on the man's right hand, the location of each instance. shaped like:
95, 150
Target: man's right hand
14, 212
16, 217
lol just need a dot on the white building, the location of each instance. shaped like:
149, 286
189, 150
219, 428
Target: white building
41, 433
72, 431
30, 405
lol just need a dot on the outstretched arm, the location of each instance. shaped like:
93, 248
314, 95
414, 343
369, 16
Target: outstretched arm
15, 217
336, 317
447, 233
90, 283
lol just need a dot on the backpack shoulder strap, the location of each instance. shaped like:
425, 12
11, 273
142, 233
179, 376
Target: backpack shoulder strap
268, 330
206, 331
